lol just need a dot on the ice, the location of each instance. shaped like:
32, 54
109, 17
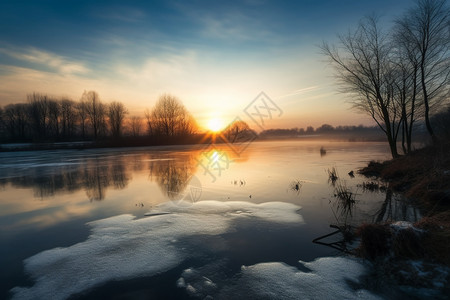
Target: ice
404, 225
201, 286
328, 278
123, 247
272, 211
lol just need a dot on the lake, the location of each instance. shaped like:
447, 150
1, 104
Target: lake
199, 221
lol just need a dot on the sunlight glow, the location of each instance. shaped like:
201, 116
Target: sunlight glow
215, 124
215, 157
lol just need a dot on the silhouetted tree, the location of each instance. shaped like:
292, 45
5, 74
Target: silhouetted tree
16, 120
325, 128
54, 112
116, 114
95, 111
238, 131
82, 115
405, 82
68, 118
2, 125
135, 124
170, 118
425, 31
309, 130
39, 114
362, 62
149, 121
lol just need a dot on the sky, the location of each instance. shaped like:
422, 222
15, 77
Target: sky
216, 57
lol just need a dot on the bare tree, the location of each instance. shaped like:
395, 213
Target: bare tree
2, 125
406, 88
82, 116
68, 118
135, 124
237, 131
54, 113
149, 121
170, 118
16, 120
425, 30
363, 66
116, 114
95, 111
39, 114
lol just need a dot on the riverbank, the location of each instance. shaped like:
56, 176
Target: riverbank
424, 178
415, 255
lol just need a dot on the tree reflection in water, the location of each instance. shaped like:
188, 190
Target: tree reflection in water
173, 175
96, 174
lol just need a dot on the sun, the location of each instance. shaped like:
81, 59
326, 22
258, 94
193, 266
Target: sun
215, 124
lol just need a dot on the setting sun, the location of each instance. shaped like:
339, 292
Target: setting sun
215, 124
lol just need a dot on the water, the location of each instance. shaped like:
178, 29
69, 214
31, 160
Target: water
183, 220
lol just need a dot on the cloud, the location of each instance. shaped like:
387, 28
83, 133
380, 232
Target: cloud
121, 13
229, 23
299, 91
232, 27
58, 63
17, 82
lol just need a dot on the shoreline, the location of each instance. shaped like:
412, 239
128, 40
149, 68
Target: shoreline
423, 177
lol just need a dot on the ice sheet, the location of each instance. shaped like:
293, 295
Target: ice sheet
329, 278
123, 247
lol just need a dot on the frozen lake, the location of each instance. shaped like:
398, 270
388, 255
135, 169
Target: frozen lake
184, 221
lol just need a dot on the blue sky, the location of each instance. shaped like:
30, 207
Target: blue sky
215, 56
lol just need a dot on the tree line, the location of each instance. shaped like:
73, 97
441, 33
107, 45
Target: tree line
398, 76
47, 119
323, 129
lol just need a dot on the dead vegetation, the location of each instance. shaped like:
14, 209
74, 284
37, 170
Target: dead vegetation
372, 186
332, 175
424, 177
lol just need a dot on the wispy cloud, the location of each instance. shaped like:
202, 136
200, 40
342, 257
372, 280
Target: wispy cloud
17, 82
41, 58
228, 23
122, 13
232, 28
299, 91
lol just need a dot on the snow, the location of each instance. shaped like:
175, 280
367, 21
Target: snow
404, 225
123, 247
328, 278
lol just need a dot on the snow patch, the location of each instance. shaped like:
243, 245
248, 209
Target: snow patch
280, 212
328, 278
123, 247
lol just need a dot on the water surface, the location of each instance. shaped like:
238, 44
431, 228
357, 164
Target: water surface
176, 215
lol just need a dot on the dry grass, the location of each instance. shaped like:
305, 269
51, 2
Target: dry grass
381, 240
436, 240
332, 175
407, 243
371, 186
345, 196
423, 176
374, 240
